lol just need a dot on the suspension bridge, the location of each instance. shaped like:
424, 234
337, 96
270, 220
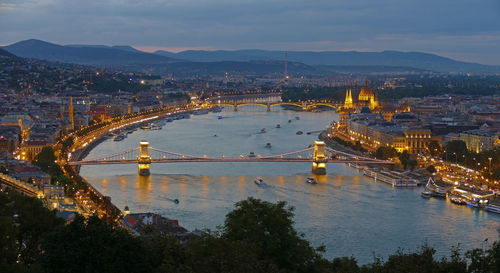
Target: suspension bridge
144, 155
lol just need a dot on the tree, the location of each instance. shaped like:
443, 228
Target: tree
24, 223
404, 157
434, 147
456, 150
412, 163
45, 159
268, 228
93, 246
385, 153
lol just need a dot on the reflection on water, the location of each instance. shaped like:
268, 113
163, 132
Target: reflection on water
347, 212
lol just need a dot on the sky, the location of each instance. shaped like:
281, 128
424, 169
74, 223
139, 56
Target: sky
467, 30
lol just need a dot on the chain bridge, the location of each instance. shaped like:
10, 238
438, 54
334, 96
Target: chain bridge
318, 154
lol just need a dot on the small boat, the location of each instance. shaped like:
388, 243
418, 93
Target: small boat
219, 117
299, 133
263, 130
435, 190
176, 201
473, 204
155, 127
251, 154
169, 120
268, 145
457, 200
297, 118
259, 181
426, 194
145, 126
311, 180
201, 112
278, 126
119, 137
493, 208
289, 121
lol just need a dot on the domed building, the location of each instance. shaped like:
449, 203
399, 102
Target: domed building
367, 98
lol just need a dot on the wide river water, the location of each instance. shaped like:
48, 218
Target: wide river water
347, 212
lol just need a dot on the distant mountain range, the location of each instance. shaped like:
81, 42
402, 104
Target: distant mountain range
417, 60
244, 61
88, 55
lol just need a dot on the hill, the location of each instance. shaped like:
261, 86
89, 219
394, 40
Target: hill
188, 69
88, 55
5, 53
244, 61
417, 60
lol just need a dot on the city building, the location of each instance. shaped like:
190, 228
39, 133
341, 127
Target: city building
480, 140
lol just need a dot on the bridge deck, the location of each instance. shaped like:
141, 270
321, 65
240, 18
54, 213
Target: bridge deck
233, 160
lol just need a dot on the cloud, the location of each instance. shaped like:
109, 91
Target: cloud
320, 24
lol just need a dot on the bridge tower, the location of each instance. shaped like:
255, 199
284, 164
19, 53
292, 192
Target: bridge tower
319, 159
144, 159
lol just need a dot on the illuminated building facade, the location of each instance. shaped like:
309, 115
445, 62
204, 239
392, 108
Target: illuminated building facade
480, 140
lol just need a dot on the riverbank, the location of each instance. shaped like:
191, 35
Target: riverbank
323, 136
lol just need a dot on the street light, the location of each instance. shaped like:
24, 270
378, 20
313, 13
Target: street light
489, 168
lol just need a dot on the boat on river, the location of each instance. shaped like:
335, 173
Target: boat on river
263, 130
201, 112
311, 180
457, 200
155, 127
435, 190
278, 126
119, 137
297, 118
259, 181
299, 133
495, 208
268, 145
251, 154
426, 194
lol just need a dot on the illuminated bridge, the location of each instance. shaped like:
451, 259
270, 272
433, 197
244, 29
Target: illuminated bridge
144, 155
270, 101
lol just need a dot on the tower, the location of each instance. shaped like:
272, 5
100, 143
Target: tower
286, 68
144, 159
319, 159
20, 123
348, 99
71, 119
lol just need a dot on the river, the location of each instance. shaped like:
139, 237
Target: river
349, 213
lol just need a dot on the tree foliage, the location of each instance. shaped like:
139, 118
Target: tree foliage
257, 236
404, 158
385, 153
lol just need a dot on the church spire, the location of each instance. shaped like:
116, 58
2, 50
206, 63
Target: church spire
20, 122
348, 99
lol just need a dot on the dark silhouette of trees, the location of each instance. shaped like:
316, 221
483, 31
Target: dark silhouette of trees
257, 236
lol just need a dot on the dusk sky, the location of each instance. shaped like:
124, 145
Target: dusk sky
466, 30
